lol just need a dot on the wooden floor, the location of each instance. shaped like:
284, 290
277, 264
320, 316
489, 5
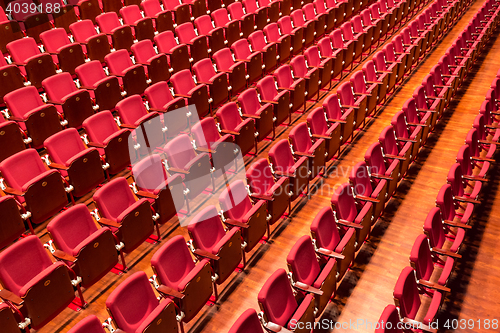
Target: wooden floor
367, 287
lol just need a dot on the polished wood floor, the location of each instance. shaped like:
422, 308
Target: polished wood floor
367, 287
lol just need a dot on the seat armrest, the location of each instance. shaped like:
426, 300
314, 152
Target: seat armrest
179, 171
108, 222
229, 132
351, 106
8, 295
434, 286
61, 255
128, 126
482, 159
446, 253
331, 120
58, 166
331, 254
319, 136
364, 198
307, 288
270, 102
475, 178
379, 176
235, 223
395, 157
182, 95
261, 197
204, 150
457, 225
349, 224
303, 154
96, 145
13, 191
146, 194
407, 140
206, 254
164, 290
250, 116
468, 200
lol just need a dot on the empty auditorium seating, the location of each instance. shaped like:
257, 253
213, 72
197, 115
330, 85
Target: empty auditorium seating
422, 262
311, 75
35, 65
197, 94
112, 142
319, 129
407, 299
160, 100
279, 99
143, 26
214, 34
91, 251
195, 169
269, 50
333, 242
164, 192
81, 165
207, 138
68, 55
133, 307
393, 151
42, 190
96, 45
303, 145
348, 215
366, 190
130, 219
30, 279
156, 65
216, 82
263, 186
188, 282
252, 59
262, 114
106, 90
310, 275
73, 103
334, 113
285, 165
178, 54
132, 77
162, 19
198, 47
237, 206
243, 130
296, 87
235, 71
225, 247
121, 36
436, 233
281, 308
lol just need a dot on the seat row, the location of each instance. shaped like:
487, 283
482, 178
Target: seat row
143, 214
149, 16
434, 253
329, 243
105, 92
